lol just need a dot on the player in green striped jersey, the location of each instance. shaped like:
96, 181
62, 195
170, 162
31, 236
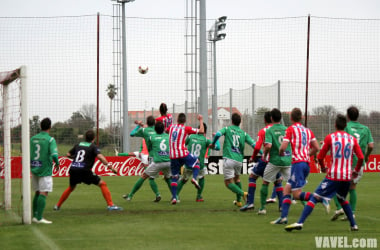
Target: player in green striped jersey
198, 145
158, 143
366, 143
233, 154
43, 150
277, 163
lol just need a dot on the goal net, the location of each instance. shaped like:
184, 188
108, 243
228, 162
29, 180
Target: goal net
14, 147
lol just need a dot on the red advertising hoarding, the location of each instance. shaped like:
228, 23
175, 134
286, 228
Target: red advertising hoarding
132, 166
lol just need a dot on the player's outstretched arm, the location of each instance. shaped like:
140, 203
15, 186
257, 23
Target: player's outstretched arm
134, 131
106, 163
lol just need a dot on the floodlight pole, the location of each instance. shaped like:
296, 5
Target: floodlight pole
125, 84
126, 142
213, 36
203, 90
215, 94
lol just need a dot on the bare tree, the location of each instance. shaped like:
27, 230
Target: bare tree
326, 114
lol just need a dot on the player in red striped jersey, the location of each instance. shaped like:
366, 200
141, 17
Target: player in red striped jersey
165, 118
342, 146
303, 144
179, 155
366, 143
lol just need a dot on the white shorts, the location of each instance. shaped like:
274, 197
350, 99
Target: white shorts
188, 174
231, 168
42, 183
143, 157
154, 169
271, 171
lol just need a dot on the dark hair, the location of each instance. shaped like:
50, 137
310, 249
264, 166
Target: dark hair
205, 127
236, 119
163, 109
353, 113
90, 135
276, 115
150, 121
181, 118
340, 122
267, 117
45, 124
296, 115
159, 127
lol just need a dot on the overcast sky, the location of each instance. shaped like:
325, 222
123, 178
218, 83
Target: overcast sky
176, 8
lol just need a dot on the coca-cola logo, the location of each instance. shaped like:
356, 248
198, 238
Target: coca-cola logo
130, 167
125, 166
64, 167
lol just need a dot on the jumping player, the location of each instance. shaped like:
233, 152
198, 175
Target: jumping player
165, 118
277, 163
303, 144
180, 155
258, 170
145, 132
198, 145
233, 153
159, 144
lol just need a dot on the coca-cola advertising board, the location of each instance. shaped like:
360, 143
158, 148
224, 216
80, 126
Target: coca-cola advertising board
125, 166
132, 166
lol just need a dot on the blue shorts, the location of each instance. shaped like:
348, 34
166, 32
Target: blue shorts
189, 161
299, 171
328, 189
258, 170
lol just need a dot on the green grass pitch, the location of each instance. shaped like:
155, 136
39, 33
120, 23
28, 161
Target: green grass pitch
84, 223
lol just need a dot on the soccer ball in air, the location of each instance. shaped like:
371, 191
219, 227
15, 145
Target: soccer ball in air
143, 69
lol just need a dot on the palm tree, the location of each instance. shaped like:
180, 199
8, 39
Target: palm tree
111, 92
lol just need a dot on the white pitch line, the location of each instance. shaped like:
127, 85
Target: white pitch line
45, 239
370, 217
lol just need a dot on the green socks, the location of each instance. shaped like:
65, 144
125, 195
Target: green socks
263, 195
235, 188
136, 187
180, 186
201, 182
238, 196
153, 186
169, 182
35, 205
337, 204
41, 203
